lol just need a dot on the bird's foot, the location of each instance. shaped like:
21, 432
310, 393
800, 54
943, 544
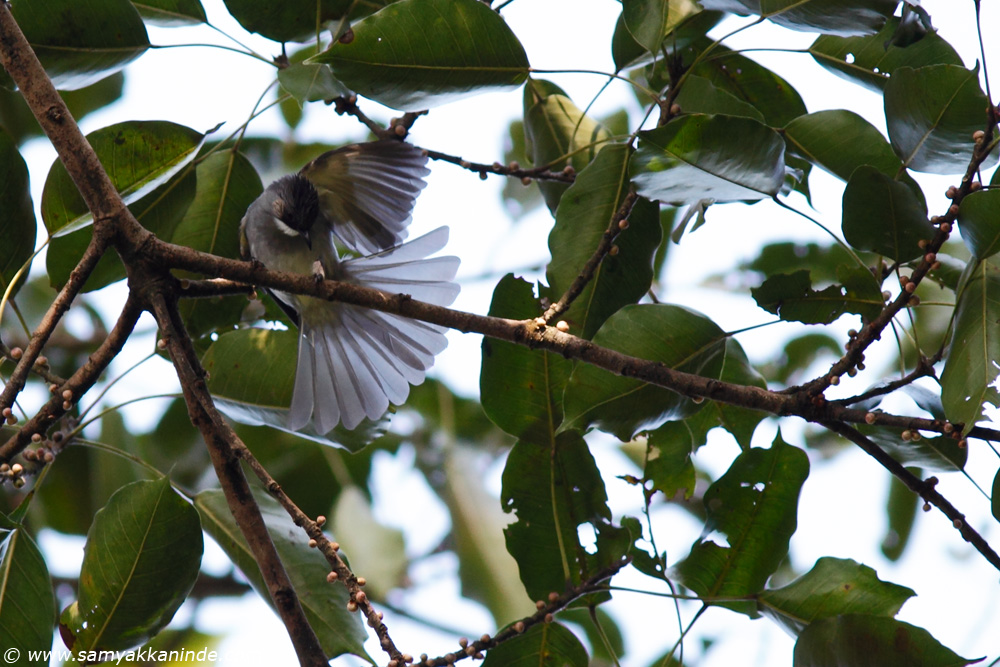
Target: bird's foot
319, 275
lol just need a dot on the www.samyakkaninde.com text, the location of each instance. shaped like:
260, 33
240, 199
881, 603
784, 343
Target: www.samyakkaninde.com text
145, 655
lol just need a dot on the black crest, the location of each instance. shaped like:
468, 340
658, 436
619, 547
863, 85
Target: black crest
298, 202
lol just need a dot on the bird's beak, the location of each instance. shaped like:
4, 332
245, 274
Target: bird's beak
307, 239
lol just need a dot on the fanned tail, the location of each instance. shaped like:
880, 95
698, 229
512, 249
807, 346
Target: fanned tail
353, 362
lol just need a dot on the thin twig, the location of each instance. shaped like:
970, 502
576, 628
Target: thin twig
615, 227
76, 386
926, 489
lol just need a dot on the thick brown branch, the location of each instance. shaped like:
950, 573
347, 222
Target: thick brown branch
75, 387
226, 450
924, 488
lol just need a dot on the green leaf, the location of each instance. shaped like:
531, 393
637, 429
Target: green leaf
884, 216
754, 504
227, 185
699, 95
668, 461
979, 222
557, 134
17, 223
845, 18
650, 21
159, 212
416, 54
901, 512
871, 61
791, 297
672, 335
788, 257
141, 559
552, 490
297, 20
80, 43
628, 53
259, 393
18, 120
856, 639
833, 587
970, 369
542, 645
584, 215
694, 157
171, 13
139, 156
27, 605
325, 605
521, 389
380, 548
933, 453
488, 573
311, 82
747, 80
931, 114
995, 497
840, 141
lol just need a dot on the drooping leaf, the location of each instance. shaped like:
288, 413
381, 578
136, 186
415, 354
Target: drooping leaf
901, 511
870, 61
521, 390
488, 573
628, 53
139, 156
979, 222
542, 645
297, 20
17, 223
141, 560
552, 488
931, 114
416, 54
672, 335
650, 21
159, 212
583, 217
884, 216
970, 369
171, 13
754, 504
557, 133
80, 43
27, 604
833, 587
309, 82
693, 157
260, 392
857, 639
325, 605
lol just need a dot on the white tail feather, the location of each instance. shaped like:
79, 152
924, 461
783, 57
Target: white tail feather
354, 361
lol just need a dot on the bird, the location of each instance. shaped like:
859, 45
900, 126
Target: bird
353, 361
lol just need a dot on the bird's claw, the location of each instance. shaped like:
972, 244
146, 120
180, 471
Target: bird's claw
319, 275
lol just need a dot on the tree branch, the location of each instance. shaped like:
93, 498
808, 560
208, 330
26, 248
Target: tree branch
226, 450
77, 385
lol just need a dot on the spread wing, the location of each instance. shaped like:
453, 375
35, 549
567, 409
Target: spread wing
367, 191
